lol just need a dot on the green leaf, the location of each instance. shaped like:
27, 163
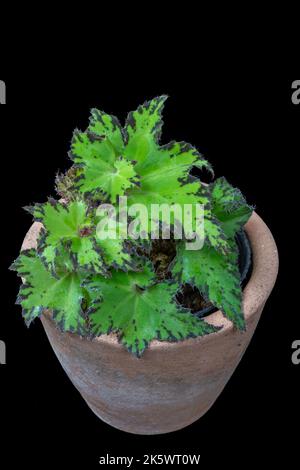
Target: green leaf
103, 170
88, 254
140, 311
143, 129
214, 233
115, 254
229, 206
103, 124
68, 225
215, 275
42, 291
61, 220
164, 179
171, 162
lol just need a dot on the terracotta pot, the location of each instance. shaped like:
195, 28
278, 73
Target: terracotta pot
173, 384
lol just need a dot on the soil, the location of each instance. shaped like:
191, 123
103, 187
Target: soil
162, 254
190, 297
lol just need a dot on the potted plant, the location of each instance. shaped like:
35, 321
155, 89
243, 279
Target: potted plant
146, 313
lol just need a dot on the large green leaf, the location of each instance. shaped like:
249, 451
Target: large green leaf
215, 275
164, 179
140, 311
42, 291
68, 225
103, 170
229, 206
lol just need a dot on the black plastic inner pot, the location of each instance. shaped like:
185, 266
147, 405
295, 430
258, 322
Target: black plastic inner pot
245, 267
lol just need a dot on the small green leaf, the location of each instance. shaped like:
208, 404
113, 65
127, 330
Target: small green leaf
140, 311
215, 275
229, 206
42, 291
68, 225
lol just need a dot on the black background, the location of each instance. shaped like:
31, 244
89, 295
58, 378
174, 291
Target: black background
249, 130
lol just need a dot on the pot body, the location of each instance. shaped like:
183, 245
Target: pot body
173, 384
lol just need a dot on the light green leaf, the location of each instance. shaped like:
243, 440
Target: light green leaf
171, 162
88, 254
215, 275
164, 179
229, 206
115, 254
103, 124
104, 171
140, 311
143, 129
42, 291
68, 225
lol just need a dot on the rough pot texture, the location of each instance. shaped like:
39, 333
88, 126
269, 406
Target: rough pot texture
173, 384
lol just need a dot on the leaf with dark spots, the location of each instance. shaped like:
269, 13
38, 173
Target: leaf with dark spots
42, 291
229, 206
103, 169
102, 124
63, 225
139, 310
215, 275
143, 129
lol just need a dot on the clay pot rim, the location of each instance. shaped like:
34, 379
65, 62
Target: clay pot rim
255, 293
